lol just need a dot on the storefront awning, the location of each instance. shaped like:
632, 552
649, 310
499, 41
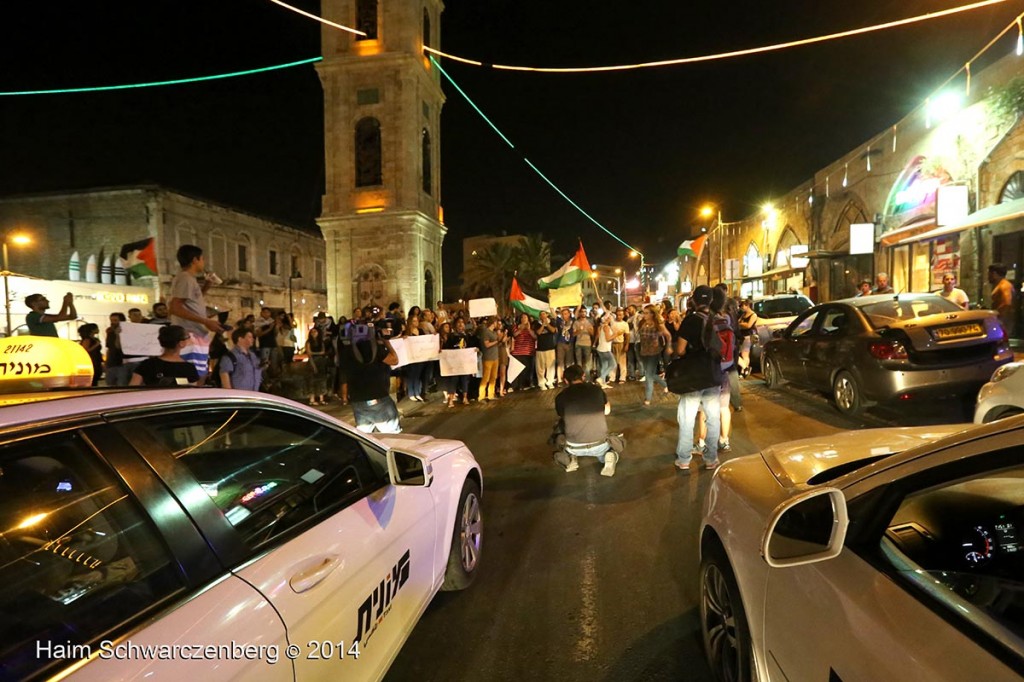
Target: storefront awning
776, 273
911, 231
1008, 210
822, 253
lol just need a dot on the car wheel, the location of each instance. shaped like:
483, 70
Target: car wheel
770, 372
846, 394
723, 620
467, 540
994, 415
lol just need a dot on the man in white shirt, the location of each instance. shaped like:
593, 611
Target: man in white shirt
951, 293
188, 308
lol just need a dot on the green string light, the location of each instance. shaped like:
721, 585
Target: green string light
527, 161
153, 84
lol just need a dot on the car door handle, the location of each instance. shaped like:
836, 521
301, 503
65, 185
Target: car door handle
311, 576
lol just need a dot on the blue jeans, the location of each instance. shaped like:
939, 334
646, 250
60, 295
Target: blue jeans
686, 413
592, 451
380, 415
414, 379
634, 361
650, 365
607, 365
583, 354
119, 376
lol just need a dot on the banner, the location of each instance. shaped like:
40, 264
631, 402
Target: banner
140, 340
401, 352
566, 297
482, 307
515, 368
457, 362
423, 348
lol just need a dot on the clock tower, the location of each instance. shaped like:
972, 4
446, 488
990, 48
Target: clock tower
381, 213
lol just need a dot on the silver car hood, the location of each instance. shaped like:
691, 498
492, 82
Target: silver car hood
796, 462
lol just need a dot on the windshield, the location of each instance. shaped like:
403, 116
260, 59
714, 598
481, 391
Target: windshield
885, 313
790, 306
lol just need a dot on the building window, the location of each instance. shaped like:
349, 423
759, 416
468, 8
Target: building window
243, 258
428, 288
366, 19
427, 174
368, 157
1013, 189
368, 96
296, 266
273, 262
318, 273
426, 28
246, 301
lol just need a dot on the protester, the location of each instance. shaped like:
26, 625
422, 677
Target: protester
563, 343
524, 347
458, 339
605, 335
654, 338
414, 370
489, 343
41, 323
583, 331
135, 316
161, 315
951, 293
545, 353
583, 409
698, 349
634, 365
169, 368
117, 374
1002, 298
286, 340
319, 363
747, 324
504, 331
266, 335
188, 307
370, 383
723, 325
87, 334
240, 368
620, 343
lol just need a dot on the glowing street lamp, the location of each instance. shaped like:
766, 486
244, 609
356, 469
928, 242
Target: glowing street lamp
17, 240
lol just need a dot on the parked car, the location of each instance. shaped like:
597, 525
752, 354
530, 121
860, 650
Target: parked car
883, 554
888, 347
774, 313
207, 533
1002, 396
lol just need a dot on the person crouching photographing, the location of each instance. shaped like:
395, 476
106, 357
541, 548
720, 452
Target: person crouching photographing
583, 409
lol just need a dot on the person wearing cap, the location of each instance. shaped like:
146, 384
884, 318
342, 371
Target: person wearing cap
169, 368
697, 336
864, 288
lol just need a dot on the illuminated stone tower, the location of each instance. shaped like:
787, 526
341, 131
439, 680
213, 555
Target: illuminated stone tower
381, 213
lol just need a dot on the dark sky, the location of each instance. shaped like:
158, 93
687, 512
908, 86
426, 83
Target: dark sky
639, 150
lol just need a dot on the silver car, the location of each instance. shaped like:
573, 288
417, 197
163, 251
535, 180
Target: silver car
888, 348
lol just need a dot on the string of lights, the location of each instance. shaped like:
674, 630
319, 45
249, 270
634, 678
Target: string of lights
527, 161
721, 55
153, 84
320, 19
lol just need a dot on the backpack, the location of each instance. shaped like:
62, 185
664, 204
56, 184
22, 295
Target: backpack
213, 378
700, 367
727, 337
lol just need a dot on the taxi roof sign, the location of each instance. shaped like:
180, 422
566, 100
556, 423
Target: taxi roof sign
32, 363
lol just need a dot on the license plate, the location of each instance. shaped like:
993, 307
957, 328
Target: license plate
957, 331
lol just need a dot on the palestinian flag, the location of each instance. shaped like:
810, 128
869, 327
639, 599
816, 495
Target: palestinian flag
526, 304
140, 258
573, 272
692, 247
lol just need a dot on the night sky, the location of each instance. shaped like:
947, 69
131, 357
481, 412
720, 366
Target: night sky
639, 150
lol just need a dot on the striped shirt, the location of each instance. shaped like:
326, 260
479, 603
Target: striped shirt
524, 343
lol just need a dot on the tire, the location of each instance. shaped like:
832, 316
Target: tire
846, 394
467, 540
770, 372
727, 643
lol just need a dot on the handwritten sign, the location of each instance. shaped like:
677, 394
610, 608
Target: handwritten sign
482, 307
424, 348
140, 339
566, 297
458, 362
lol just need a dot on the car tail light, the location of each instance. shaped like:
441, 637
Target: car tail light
888, 350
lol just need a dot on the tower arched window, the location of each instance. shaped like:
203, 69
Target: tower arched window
366, 19
427, 171
1013, 189
368, 157
428, 288
426, 28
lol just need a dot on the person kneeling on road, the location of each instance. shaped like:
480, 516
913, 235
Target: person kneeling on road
583, 408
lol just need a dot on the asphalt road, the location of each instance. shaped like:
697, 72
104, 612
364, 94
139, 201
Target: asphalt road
585, 577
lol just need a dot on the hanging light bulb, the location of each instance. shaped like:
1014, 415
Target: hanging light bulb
894, 139
1020, 37
810, 197
846, 174
826, 187
869, 159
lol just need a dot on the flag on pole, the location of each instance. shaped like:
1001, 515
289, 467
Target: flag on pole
692, 247
573, 272
526, 304
140, 257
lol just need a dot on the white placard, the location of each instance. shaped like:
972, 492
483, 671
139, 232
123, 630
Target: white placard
140, 340
423, 348
862, 238
515, 368
401, 351
457, 362
482, 307
566, 297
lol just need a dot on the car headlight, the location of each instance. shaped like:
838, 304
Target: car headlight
1006, 371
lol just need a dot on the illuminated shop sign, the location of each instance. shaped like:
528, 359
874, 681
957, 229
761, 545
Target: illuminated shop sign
115, 297
916, 186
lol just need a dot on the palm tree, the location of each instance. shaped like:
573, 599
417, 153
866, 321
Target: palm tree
490, 273
534, 258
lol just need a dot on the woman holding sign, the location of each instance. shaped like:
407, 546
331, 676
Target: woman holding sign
414, 371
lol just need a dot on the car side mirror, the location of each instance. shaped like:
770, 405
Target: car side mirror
806, 529
408, 469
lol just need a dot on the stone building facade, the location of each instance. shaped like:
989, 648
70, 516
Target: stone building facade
381, 214
253, 256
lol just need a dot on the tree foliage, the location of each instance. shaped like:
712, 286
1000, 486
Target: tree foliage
489, 272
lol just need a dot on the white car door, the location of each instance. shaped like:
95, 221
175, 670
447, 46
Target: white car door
345, 558
905, 599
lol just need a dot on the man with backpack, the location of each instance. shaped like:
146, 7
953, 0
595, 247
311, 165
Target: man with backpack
724, 324
696, 376
239, 368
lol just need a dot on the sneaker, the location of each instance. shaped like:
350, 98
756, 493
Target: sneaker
573, 465
683, 468
610, 460
723, 446
711, 465
700, 448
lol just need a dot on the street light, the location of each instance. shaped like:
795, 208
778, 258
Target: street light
17, 240
643, 272
618, 276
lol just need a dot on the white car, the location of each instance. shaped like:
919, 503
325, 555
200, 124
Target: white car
774, 314
1002, 396
886, 554
199, 534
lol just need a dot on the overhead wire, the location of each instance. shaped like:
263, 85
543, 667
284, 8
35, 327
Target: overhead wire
320, 19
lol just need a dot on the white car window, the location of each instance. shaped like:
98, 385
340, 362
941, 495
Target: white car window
961, 543
78, 557
270, 472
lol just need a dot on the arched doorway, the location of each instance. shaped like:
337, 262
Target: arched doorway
428, 289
